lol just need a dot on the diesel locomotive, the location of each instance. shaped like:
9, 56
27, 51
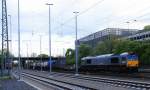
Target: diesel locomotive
114, 62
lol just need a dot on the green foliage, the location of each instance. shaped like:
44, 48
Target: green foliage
5, 78
10, 55
104, 47
125, 46
70, 56
43, 55
84, 50
144, 53
120, 46
116, 46
147, 28
34, 54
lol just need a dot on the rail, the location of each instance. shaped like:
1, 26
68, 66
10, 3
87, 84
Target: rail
61, 84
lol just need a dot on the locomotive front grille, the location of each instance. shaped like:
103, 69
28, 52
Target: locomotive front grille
133, 63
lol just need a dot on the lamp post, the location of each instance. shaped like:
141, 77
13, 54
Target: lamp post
41, 50
27, 57
76, 42
19, 40
135, 22
27, 52
50, 37
128, 26
10, 38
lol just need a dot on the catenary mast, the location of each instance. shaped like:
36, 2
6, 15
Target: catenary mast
5, 44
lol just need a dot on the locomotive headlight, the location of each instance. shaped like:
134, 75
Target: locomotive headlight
123, 62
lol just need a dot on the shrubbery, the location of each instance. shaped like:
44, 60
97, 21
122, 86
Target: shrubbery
113, 46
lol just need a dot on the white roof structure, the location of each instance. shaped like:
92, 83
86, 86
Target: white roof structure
108, 31
125, 53
99, 56
89, 57
106, 55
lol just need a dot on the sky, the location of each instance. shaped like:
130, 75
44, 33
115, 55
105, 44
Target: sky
94, 15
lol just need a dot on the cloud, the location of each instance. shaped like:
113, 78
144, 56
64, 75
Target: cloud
34, 18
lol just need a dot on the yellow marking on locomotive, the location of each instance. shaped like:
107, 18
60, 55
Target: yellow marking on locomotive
133, 63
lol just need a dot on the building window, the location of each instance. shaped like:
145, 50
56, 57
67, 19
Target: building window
146, 35
149, 35
134, 38
140, 37
143, 36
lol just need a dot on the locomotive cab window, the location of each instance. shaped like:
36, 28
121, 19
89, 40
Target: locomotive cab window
132, 57
88, 61
83, 62
123, 58
114, 60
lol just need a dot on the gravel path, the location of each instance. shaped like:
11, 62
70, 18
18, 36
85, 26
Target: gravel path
13, 84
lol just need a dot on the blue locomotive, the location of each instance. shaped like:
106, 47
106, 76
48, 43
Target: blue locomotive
120, 62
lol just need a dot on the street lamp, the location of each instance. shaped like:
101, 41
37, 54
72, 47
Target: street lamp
19, 40
27, 56
128, 26
41, 50
27, 51
135, 22
76, 42
50, 37
10, 37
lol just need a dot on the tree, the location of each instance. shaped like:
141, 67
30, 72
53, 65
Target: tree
141, 48
125, 46
70, 56
144, 53
147, 28
84, 50
43, 55
33, 55
104, 47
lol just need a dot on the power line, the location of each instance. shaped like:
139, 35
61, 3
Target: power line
73, 3
86, 10
95, 4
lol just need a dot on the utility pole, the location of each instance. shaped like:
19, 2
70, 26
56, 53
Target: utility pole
41, 50
5, 44
50, 66
11, 57
128, 27
76, 42
27, 57
19, 41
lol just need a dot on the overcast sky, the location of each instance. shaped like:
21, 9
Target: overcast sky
94, 15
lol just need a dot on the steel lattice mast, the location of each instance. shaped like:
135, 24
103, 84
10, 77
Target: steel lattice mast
5, 45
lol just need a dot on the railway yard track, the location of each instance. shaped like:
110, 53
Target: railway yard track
60, 80
141, 74
115, 82
61, 85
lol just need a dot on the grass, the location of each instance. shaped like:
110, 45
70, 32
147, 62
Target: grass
5, 78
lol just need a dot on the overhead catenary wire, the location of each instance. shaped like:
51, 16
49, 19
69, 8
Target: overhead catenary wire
64, 11
84, 11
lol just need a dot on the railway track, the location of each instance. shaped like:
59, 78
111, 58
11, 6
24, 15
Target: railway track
57, 83
113, 82
141, 74
117, 82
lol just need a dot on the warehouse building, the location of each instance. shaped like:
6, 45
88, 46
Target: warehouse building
140, 36
93, 39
